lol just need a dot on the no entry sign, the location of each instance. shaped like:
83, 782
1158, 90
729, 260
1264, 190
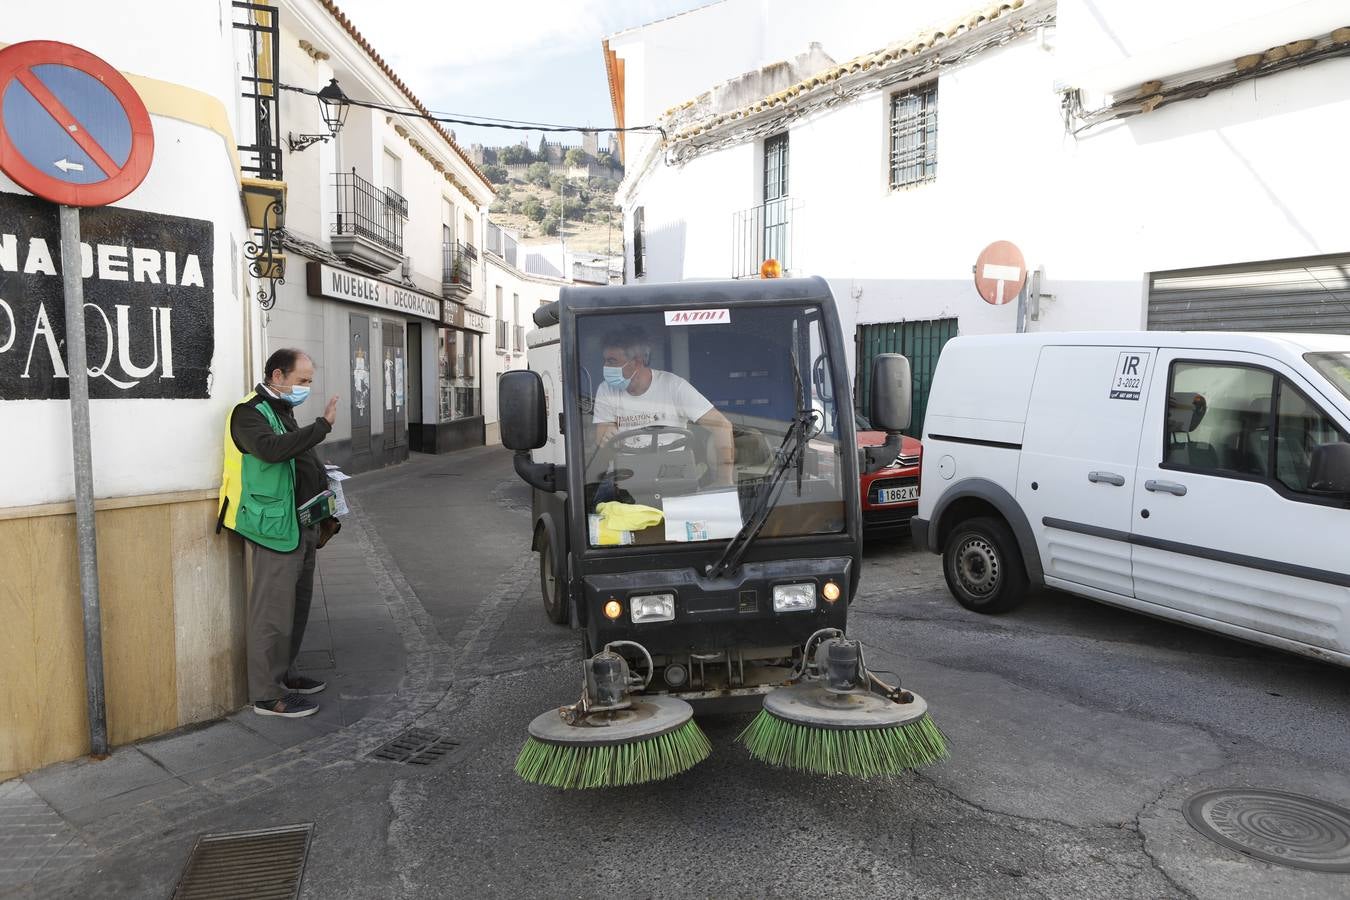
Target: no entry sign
1000, 272
72, 129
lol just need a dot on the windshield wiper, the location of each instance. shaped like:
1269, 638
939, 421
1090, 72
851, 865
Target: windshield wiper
794, 443
791, 450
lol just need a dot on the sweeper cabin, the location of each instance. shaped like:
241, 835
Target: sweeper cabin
696, 515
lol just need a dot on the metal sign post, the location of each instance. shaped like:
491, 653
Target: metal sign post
87, 539
74, 131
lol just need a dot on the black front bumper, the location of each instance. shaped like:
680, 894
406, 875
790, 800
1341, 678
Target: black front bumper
714, 615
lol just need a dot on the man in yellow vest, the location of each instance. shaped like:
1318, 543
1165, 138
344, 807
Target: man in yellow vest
271, 467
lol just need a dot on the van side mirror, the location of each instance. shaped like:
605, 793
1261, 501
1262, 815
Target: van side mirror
521, 407
1329, 470
892, 393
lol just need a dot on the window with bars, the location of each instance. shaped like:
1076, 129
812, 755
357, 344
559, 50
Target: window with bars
914, 136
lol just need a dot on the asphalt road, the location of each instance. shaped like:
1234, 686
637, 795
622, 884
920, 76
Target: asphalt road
1078, 731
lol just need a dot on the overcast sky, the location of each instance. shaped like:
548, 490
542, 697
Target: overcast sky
534, 60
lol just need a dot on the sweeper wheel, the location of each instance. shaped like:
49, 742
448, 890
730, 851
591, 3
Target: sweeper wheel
647, 718
655, 738
811, 705
807, 728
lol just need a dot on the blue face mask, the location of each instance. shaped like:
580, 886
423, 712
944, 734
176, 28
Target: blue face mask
614, 378
299, 394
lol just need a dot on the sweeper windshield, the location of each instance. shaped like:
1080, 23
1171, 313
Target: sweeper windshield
701, 415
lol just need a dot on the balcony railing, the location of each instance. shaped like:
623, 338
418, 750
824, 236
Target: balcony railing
501, 335
457, 262
761, 233
369, 212
519, 335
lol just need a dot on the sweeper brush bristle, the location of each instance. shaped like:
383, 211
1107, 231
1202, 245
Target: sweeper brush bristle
862, 752
579, 766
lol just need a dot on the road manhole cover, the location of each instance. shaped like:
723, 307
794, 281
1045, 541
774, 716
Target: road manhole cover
266, 864
416, 746
1275, 827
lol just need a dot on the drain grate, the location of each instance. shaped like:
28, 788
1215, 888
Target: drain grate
416, 746
266, 864
1276, 827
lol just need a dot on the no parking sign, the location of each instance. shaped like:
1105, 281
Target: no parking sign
73, 131
72, 128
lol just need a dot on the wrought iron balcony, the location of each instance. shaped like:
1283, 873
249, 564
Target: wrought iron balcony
368, 228
457, 264
761, 233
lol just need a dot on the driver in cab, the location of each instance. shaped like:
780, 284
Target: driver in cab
634, 396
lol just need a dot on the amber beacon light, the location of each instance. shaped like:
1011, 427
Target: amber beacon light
771, 268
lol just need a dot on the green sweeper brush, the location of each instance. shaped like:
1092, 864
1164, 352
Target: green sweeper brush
611, 738
840, 719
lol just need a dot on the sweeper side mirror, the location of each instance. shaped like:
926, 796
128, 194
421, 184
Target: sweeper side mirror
522, 408
890, 408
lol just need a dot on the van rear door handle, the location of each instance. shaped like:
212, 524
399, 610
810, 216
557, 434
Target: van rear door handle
1106, 478
1165, 487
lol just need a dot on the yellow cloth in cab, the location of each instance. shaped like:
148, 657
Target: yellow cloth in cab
616, 517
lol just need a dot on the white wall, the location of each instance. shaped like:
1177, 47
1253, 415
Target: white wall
1245, 174
534, 292
143, 446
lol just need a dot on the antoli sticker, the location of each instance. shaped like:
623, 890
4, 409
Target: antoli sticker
698, 317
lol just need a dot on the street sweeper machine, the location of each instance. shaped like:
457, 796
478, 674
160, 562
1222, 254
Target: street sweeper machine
696, 516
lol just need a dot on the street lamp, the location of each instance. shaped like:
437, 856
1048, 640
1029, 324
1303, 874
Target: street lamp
333, 107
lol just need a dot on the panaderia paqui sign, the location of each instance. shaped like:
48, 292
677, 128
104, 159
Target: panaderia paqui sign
343, 284
148, 303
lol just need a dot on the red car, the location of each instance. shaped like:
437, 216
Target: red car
890, 496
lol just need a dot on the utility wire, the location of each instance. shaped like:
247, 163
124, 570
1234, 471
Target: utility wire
477, 121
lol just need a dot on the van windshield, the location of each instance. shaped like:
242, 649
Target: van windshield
686, 411
1335, 367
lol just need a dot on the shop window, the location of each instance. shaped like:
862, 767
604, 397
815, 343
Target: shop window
459, 390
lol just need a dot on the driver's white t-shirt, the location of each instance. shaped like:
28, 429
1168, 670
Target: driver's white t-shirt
668, 400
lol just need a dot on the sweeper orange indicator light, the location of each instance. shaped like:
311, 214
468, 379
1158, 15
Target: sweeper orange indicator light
830, 592
771, 268
613, 609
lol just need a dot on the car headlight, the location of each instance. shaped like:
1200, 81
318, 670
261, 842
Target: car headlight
794, 597
652, 608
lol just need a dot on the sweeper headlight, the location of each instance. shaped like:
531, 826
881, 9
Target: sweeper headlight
794, 597
652, 608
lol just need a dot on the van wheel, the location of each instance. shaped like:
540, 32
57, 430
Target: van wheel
984, 567
552, 587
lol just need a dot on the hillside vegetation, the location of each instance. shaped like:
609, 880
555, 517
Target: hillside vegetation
541, 203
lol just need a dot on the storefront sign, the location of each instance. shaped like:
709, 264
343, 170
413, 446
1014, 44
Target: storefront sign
344, 284
461, 316
149, 315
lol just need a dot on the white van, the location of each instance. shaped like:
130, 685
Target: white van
1198, 477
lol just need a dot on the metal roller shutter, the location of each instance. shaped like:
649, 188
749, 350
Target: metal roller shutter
1308, 295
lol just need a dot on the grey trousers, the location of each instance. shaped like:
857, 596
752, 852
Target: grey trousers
278, 610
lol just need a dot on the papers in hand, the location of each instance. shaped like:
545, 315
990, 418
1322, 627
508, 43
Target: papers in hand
702, 517
335, 478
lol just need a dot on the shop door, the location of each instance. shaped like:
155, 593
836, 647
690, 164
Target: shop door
395, 378
358, 351
416, 434
921, 342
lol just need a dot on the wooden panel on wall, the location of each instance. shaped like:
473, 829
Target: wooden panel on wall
209, 614
42, 697
136, 587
